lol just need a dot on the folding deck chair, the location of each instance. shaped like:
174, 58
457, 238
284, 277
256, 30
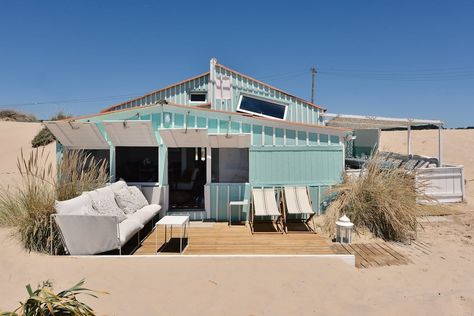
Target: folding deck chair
264, 203
296, 202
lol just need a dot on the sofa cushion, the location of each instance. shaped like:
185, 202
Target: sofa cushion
145, 214
141, 199
116, 186
127, 229
81, 205
127, 201
103, 201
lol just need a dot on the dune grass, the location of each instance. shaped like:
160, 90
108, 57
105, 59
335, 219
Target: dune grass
27, 207
384, 201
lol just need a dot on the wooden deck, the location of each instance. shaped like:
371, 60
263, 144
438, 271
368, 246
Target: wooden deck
220, 239
375, 254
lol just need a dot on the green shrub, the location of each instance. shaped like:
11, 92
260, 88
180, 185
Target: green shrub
43, 301
43, 138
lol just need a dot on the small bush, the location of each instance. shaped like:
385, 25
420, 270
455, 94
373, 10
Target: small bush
15, 116
43, 301
45, 137
28, 206
384, 201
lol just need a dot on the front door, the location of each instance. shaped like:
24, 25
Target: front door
186, 178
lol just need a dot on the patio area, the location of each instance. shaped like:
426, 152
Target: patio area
207, 238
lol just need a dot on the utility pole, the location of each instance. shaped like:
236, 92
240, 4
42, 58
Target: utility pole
313, 76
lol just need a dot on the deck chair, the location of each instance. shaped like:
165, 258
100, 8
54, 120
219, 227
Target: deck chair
264, 203
296, 202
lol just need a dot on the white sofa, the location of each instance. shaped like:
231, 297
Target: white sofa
87, 231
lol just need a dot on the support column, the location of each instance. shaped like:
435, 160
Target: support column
409, 140
440, 145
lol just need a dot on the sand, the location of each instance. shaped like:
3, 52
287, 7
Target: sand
14, 137
440, 281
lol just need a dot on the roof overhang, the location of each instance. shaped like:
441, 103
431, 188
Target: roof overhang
229, 140
373, 122
136, 133
184, 137
77, 135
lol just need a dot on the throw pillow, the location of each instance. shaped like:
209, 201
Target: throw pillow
127, 201
103, 201
140, 198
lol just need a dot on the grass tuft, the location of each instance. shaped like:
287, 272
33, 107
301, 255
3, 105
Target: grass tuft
384, 201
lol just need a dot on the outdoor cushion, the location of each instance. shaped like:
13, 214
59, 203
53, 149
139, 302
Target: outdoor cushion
81, 205
127, 229
141, 200
103, 201
128, 202
145, 214
116, 186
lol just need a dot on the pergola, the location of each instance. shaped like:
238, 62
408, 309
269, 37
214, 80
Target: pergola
377, 122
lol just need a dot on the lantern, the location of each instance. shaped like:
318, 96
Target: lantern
344, 230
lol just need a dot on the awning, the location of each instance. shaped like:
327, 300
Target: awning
77, 135
229, 141
135, 133
181, 137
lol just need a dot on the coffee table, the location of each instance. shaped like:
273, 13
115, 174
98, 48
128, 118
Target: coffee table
174, 220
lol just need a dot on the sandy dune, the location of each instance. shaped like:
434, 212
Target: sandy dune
439, 282
14, 137
458, 149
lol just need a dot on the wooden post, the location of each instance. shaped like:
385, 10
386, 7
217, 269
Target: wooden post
440, 145
409, 140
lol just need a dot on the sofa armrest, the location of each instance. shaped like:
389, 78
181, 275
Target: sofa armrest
88, 234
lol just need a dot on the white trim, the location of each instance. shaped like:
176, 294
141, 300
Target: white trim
197, 92
238, 109
381, 118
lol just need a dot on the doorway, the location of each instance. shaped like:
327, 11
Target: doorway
186, 178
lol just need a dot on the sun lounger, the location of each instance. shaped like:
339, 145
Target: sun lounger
297, 202
264, 203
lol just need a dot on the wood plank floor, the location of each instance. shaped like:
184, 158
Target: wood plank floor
219, 238
375, 254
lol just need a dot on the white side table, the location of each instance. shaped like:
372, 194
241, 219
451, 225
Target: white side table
234, 203
171, 220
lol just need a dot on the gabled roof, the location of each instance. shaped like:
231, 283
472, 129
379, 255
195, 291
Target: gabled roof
115, 106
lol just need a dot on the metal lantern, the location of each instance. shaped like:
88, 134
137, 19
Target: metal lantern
344, 230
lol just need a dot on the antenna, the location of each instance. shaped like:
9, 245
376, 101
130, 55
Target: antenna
313, 76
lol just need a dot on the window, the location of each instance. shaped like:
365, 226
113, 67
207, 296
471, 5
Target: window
198, 97
230, 165
262, 107
136, 164
99, 156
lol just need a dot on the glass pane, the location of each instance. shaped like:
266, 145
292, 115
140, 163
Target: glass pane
198, 97
230, 165
262, 107
136, 164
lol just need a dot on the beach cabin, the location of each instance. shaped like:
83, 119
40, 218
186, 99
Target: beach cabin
196, 145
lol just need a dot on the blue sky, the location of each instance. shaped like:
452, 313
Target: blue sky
387, 58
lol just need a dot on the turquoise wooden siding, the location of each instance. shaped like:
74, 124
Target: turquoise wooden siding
296, 165
280, 154
298, 110
178, 94
220, 196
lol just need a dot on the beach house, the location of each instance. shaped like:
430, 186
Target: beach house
195, 145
